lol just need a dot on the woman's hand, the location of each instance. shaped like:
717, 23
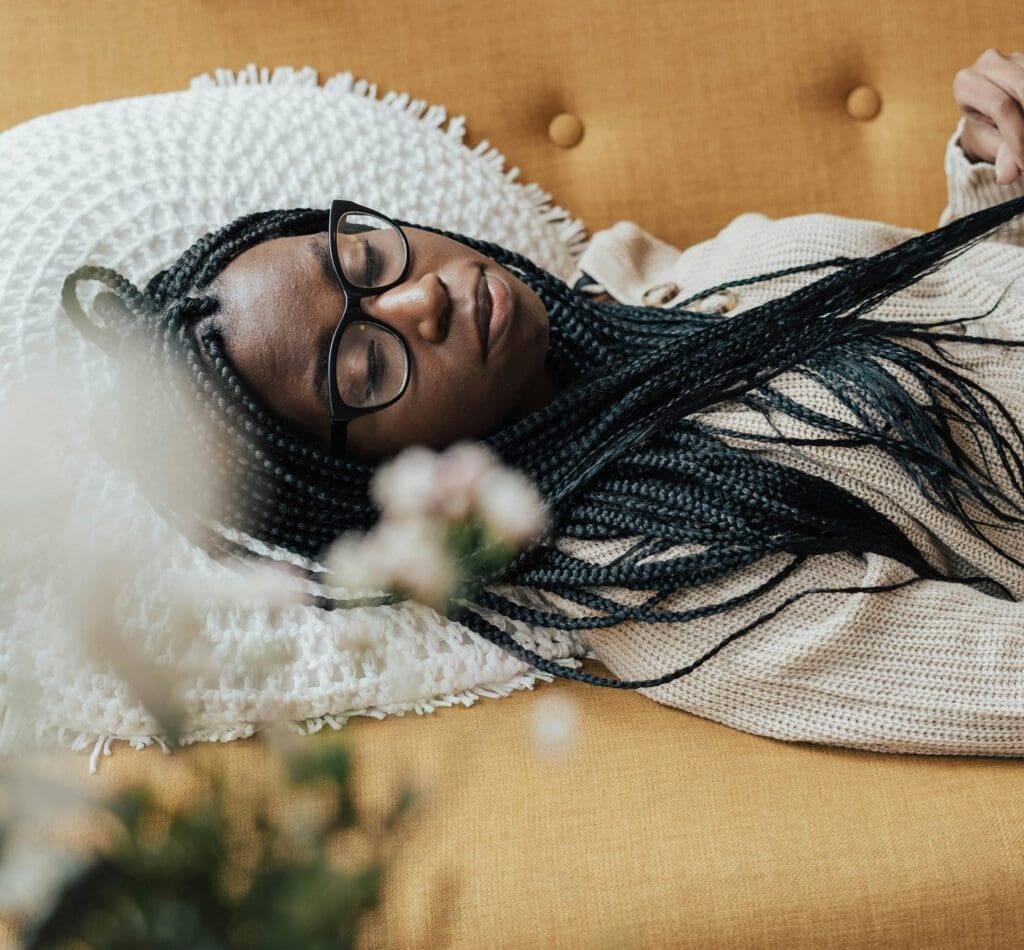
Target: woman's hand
991, 96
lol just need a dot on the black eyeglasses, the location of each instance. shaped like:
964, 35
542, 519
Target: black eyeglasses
368, 362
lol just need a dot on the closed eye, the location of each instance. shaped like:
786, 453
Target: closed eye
318, 248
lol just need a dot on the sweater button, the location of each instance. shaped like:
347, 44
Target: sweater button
720, 302
660, 294
730, 300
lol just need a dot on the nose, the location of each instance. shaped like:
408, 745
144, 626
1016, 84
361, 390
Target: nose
419, 307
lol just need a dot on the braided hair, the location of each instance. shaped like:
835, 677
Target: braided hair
618, 453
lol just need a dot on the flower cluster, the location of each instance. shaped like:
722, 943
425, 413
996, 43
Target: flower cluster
449, 520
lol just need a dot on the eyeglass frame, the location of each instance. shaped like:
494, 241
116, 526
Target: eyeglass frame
341, 412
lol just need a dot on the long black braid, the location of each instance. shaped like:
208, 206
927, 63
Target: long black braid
618, 453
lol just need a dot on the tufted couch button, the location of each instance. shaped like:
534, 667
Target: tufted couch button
863, 103
565, 130
660, 294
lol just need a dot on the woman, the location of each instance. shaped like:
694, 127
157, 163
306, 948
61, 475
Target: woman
771, 516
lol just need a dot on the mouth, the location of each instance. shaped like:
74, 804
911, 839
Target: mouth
493, 309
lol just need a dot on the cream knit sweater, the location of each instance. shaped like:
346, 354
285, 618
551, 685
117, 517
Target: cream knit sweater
934, 667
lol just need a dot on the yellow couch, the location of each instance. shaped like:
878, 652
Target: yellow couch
662, 829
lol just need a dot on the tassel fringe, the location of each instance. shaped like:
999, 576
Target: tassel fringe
571, 231
48, 734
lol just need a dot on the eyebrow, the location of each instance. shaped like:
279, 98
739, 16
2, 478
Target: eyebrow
323, 257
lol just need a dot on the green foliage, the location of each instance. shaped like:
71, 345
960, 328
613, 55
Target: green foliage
479, 556
479, 552
192, 886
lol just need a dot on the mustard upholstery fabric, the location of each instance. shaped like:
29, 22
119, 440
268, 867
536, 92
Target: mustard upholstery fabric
693, 111
662, 829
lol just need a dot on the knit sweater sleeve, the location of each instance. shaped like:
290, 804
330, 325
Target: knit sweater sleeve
972, 186
933, 667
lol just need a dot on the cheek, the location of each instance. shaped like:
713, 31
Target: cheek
453, 409
435, 416
446, 403
523, 362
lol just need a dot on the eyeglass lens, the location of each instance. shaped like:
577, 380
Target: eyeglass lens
372, 364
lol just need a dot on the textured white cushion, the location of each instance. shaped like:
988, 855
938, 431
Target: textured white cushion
131, 183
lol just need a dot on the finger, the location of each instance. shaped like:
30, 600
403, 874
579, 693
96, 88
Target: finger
1007, 170
987, 141
985, 138
1004, 106
985, 105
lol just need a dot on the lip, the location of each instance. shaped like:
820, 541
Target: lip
493, 311
482, 313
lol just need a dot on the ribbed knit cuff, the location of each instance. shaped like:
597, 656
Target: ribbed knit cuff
626, 260
972, 186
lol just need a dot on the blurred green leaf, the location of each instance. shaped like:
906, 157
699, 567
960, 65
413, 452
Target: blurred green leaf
345, 815
128, 806
406, 799
187, 886
330, 762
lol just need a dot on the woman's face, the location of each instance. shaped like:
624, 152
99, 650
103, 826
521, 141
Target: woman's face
280, 306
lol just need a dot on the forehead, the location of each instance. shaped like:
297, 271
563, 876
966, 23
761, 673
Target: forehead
285, 258
281, 273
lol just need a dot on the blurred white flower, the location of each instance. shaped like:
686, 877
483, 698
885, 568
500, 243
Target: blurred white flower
32, 874
34, 799
406, 485
413, 554
510, 506
268, 583
159, 686
353, 565
261, 660
460, 469
554, 726
285, 739
408, 555
419, 482
421, 493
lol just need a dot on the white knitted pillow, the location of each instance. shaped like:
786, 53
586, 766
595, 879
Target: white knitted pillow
131, 183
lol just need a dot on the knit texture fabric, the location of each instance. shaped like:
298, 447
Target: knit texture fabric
934, 667
130, 184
